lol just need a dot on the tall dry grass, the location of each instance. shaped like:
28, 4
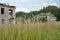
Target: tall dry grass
31, 31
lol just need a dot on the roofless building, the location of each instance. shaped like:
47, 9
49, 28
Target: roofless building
7, 14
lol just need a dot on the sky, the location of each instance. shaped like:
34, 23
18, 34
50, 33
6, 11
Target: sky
30, 5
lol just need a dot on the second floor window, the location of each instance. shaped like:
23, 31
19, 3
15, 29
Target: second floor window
2, 10
10, 12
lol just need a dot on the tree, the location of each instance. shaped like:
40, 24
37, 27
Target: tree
53, 9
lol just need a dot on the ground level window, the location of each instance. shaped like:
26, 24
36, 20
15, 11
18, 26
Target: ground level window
2, 21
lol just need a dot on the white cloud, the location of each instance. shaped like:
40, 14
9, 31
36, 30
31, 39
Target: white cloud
22, 9
53, 4
44, 4
31, 5
22, 0
35, 7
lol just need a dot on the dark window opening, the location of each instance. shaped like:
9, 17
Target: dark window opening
2, 21
10, 12
2, 10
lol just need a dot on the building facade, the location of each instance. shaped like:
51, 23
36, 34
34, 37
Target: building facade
51, 18
7, 14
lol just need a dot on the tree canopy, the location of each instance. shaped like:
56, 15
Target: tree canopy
55, 10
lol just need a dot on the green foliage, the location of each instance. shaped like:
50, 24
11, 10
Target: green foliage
43, 19
53, 9
20, 14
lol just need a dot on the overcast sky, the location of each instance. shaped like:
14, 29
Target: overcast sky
31, 5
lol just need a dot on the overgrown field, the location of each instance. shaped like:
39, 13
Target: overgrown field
31, 31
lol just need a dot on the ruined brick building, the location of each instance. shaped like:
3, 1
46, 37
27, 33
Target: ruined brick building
7, 14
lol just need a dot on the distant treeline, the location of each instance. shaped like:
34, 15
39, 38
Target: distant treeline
55, 10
